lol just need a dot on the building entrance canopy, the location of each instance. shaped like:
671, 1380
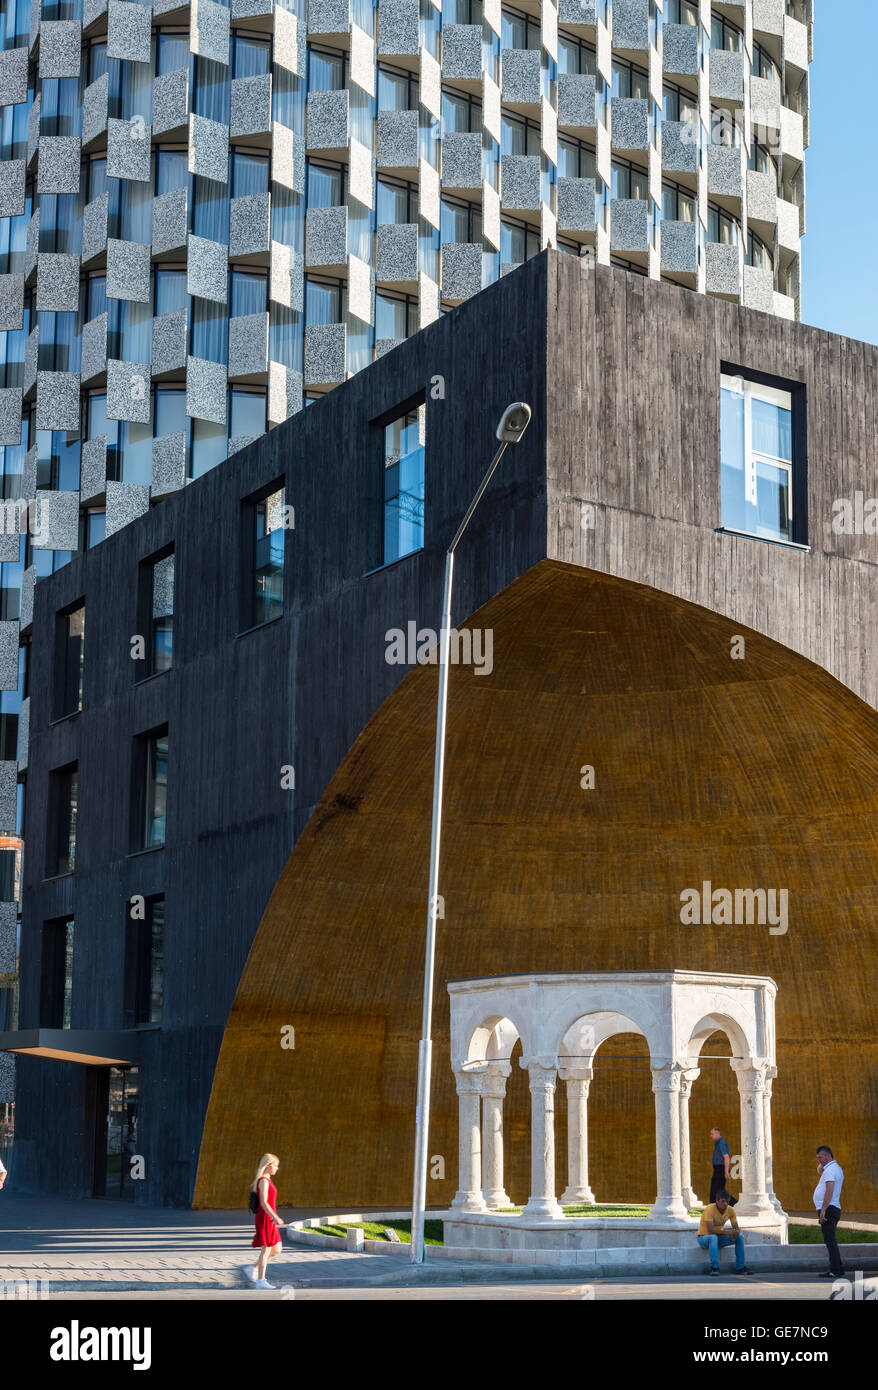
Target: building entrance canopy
561, 1021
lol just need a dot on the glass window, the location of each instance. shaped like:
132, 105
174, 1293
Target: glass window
403, 474
170, 291
725, 35
63, 800
575, 161
575, 57
681, 12
460, 112
249, 174
325, 185
267, 519
170, 411
677, 204
210, 330
56, 984
210, 446
395, 90
144, 965
246, 413
160, 597
322, 302
95, 527
248, 293
629, 81
69, 656
325, 71
210, 209
155, 802
172, 53
396, 316
172, 170
757, 458
395, 202
212, 93
629, 182
721, 227
251, 57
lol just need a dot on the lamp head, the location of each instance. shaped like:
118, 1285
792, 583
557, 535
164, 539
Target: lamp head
514, 422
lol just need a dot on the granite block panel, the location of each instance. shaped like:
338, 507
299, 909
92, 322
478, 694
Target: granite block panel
629, 127
680, 49
28, 580
680, 147
30, 361
94, 228
13, 76
629, 223
58, 401
208, 149
284, 395
94, 348
207, 270
248, 345
11, 303
289, 46
757, 289
57, 283
461, 52
129, 150
128, 267
60, 47
726, 75
95, 108
631, 24
250, 105
249, 224
168, 464
24, 734
206, 387
128, 391
521, 76
576, 205
170, 101
462, 268
725, 170
209, 30
93, 468
61, 532
10, 415
328, 120
576, 100
59, 163
520, 182
723, 269
462, 159
326, 233
13, 178
398, 28
169, 342
129, 29
324, 354
761, 197
680, 247
397, 139
125, 503
170, 221
397, 252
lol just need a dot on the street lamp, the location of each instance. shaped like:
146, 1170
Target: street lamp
512, 426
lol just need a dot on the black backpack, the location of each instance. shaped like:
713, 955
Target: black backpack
253, 1203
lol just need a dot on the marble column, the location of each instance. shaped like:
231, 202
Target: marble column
668, 1204
766, 1129
493, 1094
686, 1191
753, 1200
542, 1201
469, 1194
577, 1193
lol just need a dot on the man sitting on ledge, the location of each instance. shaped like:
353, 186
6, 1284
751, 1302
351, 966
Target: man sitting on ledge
710, 1236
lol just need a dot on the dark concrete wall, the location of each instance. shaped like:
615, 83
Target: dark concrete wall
239, 707
634, 430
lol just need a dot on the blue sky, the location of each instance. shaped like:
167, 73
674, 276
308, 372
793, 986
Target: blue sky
839, 261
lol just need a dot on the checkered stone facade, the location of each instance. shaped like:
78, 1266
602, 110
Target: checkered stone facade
211, 212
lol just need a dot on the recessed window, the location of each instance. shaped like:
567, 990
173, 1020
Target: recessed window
69, 654
56, 974
150, 790
144, 965
762, 478
264, 537
156, 619
63, 805
403, 475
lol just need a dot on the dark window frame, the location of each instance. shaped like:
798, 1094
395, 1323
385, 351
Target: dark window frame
798, 391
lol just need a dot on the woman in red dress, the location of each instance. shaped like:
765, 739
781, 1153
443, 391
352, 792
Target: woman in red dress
268, 1223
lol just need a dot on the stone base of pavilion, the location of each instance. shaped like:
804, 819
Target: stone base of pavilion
481, 1235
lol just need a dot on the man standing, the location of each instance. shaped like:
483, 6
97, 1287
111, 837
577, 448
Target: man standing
827, 1200
721, 1161
710, 1237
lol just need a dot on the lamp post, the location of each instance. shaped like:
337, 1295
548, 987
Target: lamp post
512, 426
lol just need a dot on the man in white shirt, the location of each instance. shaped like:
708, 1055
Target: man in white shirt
827, 1200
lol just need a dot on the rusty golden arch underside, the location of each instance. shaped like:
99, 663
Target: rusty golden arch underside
744, 773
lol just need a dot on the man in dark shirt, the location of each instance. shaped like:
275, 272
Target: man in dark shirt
721, 1161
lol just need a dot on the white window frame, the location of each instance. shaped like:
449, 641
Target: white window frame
771, 395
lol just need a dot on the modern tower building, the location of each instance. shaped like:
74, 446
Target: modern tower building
211, 215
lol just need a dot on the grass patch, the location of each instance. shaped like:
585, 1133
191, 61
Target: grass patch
375, 1230
641, 1212
811, 1235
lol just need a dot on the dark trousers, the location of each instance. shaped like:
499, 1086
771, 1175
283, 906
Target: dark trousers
718, 1182
829, 1240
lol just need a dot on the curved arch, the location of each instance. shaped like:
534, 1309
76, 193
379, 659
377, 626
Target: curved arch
763, 771
492, 1040
741, 1044
599, 1025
